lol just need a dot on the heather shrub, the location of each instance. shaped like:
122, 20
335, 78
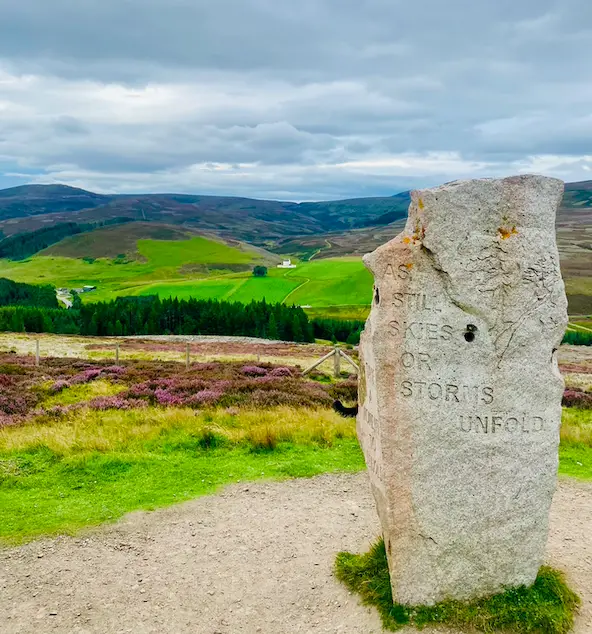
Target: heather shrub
59, 385
575, 397
57, 411
102, 403
133, 384
205, 397
345, 390
7, 421
114, 369
6, 380
281, 372
272, 398
15, 403
253, 370
167, 398
87, 375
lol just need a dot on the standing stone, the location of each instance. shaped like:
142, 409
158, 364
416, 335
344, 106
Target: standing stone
460, 392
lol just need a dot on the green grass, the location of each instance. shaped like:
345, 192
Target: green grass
575, 452
353, 312
44, 494
160, 265
333, 282
83, 392
576, 462
218, 288
547, 607
166, 253
320, 284
58, 476
273, 289
179, 268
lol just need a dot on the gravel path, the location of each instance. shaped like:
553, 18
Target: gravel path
255, 558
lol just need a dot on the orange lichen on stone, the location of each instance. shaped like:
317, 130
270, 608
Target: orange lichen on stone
507, 233
410, 265
420, 204
419, 233
406, 240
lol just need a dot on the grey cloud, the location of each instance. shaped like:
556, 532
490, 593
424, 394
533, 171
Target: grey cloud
142, 93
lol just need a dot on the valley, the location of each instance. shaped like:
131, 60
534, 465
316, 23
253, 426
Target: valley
206, 247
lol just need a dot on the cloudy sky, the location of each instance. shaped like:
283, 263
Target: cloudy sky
292, 99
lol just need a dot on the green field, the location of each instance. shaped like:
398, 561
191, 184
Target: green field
205, 269
332, 282
163, 254
216, 288
185, 265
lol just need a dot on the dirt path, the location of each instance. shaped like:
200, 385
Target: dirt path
256, 558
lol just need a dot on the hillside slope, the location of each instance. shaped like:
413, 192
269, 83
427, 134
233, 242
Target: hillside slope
30, 207
32, 200
259, 221
305, 231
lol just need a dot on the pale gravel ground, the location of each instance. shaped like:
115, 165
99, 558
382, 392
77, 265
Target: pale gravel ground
255, 558
78, 347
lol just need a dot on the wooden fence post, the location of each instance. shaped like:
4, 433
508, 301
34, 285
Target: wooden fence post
336, 353
349, 360
117, 352
316, 364
37, 352
336, 363
187, 356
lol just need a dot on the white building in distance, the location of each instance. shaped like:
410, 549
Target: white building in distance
286, 264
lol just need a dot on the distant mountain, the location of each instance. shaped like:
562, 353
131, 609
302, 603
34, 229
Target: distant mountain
30, 207
29, 200
324, 228
580, 185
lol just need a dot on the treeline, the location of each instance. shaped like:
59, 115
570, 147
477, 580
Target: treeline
24, 245
27, 319
20, 294
153, 316
578, 338
338, 330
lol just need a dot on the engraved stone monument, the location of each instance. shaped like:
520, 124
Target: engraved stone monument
460, 392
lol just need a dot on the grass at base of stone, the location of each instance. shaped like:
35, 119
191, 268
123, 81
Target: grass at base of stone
547, 607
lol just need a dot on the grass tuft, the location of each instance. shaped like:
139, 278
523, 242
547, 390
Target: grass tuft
263, 438
576, 427
210, 439
547, 607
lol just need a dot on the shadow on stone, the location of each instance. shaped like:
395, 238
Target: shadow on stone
546, 607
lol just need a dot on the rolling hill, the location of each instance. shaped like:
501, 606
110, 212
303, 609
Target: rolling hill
33, 200
263, 222
205, 246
